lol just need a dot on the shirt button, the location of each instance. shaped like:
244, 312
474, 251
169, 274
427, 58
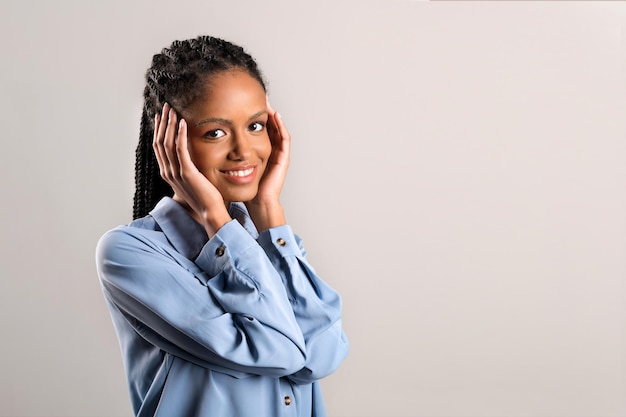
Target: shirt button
287, 400
281, 241
219, 251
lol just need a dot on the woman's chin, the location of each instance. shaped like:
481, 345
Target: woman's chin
240, 197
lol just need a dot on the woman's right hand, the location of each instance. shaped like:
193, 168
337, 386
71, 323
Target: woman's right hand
191, 189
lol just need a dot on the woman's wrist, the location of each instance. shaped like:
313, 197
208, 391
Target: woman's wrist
266, 215
213, 220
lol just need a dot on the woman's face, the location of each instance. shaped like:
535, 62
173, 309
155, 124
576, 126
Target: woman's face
228, 140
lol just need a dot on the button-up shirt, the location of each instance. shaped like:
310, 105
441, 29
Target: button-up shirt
236, 325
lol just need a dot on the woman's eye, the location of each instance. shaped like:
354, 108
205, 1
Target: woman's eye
214, 134
256, 127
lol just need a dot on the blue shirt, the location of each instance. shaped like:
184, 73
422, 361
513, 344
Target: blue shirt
238, 325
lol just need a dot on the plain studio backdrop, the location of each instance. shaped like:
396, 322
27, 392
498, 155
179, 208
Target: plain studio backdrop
458, 174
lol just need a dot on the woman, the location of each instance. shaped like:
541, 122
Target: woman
217, 311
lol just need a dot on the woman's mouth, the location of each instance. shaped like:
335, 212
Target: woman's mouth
241, 175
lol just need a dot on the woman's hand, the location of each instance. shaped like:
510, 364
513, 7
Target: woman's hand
191, 189
265, 208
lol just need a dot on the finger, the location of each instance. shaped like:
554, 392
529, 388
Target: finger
169, 145
272, 129
285, 143
157, 142
272, 125
182, 151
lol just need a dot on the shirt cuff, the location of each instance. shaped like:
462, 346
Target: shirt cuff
280, 239
230, 241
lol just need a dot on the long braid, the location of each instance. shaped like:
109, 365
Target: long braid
177, 76
149, 186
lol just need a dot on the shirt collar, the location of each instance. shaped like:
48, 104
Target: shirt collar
184, 233
187, 235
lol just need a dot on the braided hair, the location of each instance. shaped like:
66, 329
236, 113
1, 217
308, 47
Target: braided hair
177, 76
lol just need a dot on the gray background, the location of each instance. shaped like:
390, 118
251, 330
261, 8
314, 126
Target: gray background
457, 174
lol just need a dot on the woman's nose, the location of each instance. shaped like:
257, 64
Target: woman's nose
241, 148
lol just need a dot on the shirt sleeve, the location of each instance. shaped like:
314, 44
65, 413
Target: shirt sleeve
227, 310
317, 307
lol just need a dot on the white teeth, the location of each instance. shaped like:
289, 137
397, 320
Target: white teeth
243, 173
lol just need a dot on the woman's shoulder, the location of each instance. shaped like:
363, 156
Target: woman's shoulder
139, 235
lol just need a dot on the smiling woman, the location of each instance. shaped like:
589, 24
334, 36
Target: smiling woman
227, 134
217, 310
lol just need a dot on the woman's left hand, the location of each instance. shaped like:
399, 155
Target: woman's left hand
265, 208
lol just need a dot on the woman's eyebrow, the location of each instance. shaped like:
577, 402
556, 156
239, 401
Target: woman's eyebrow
214, 120
219, 120
257, 114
